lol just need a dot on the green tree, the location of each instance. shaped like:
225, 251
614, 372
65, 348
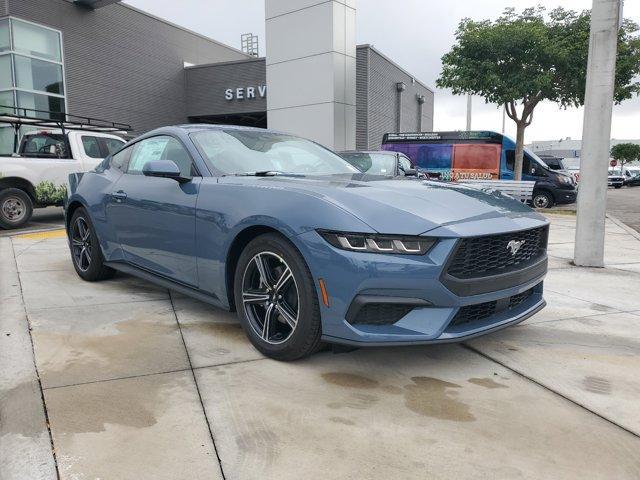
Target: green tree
625, 153
521, 59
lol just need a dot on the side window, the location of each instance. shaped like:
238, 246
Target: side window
110, 145
91, 146
44, 145
120, 159
405, 164
510, 156
161, 148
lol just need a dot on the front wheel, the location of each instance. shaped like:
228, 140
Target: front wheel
542, 199
16, 208
276, 299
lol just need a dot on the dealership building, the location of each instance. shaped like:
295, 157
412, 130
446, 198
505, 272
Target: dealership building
105, 59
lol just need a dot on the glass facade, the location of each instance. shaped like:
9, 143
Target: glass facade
31, 74
31, 69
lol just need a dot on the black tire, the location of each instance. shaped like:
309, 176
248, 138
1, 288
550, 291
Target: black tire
542, 199
286, 343
86, 253
16, 208
617, 186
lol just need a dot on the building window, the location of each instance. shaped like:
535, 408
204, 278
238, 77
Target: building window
5, 42
36, 41
31, 69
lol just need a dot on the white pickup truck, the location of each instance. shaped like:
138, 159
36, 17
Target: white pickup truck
36, 176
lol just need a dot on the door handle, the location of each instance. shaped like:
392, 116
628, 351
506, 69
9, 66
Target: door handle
119, 196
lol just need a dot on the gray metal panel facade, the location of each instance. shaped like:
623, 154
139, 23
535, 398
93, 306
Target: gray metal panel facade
382, 107
206, 85
122, 64
362, 98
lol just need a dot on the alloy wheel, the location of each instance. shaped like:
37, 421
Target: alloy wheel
81, 244
270, 297
541, 201
14, 209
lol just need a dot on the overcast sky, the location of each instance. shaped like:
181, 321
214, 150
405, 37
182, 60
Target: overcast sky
415, 34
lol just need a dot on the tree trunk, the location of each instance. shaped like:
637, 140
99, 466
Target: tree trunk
517, 174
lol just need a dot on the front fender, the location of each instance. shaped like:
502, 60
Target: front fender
225, 211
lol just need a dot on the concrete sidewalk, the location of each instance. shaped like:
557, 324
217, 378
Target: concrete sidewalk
139, 383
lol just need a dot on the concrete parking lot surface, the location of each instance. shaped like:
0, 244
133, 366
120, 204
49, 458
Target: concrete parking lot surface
141, 383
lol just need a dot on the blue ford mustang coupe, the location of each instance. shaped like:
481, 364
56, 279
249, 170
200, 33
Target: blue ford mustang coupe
303, 246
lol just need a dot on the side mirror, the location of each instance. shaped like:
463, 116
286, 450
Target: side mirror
410, 172
164, 169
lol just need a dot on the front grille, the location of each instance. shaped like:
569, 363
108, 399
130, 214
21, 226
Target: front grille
489, 255
480, 311
381, 313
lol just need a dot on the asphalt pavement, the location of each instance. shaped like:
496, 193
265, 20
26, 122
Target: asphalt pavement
624, 204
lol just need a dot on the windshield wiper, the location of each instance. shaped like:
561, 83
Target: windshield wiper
262, 173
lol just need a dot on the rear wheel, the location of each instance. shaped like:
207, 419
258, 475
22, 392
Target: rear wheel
276, 299
16, 208
85, 250
542, 199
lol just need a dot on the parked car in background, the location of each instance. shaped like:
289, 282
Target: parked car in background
615, 179
36, 174
387, 163
633, 181
306, 248
629, 172
480, 155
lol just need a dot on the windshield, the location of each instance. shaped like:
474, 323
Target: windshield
373, 163
247, 151
536, 158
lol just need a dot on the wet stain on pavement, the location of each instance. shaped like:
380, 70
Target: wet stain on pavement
433, 397
392, 389
341, 420
349, 380
129, 403
487, 383
598, 385
17, 408
107, 351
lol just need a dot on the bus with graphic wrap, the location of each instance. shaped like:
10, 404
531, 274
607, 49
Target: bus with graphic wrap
480, 155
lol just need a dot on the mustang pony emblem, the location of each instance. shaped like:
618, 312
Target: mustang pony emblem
514, 246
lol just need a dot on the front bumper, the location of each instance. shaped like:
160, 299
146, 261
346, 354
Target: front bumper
353, 278
563, 197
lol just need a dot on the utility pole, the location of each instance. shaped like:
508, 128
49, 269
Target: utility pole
596, 133
468, 112
504, 117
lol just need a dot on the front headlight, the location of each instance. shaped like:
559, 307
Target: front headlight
566, 180
375, 243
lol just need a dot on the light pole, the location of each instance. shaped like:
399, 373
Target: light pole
468, 112
596, 133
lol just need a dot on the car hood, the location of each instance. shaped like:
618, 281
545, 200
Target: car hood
403, 206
